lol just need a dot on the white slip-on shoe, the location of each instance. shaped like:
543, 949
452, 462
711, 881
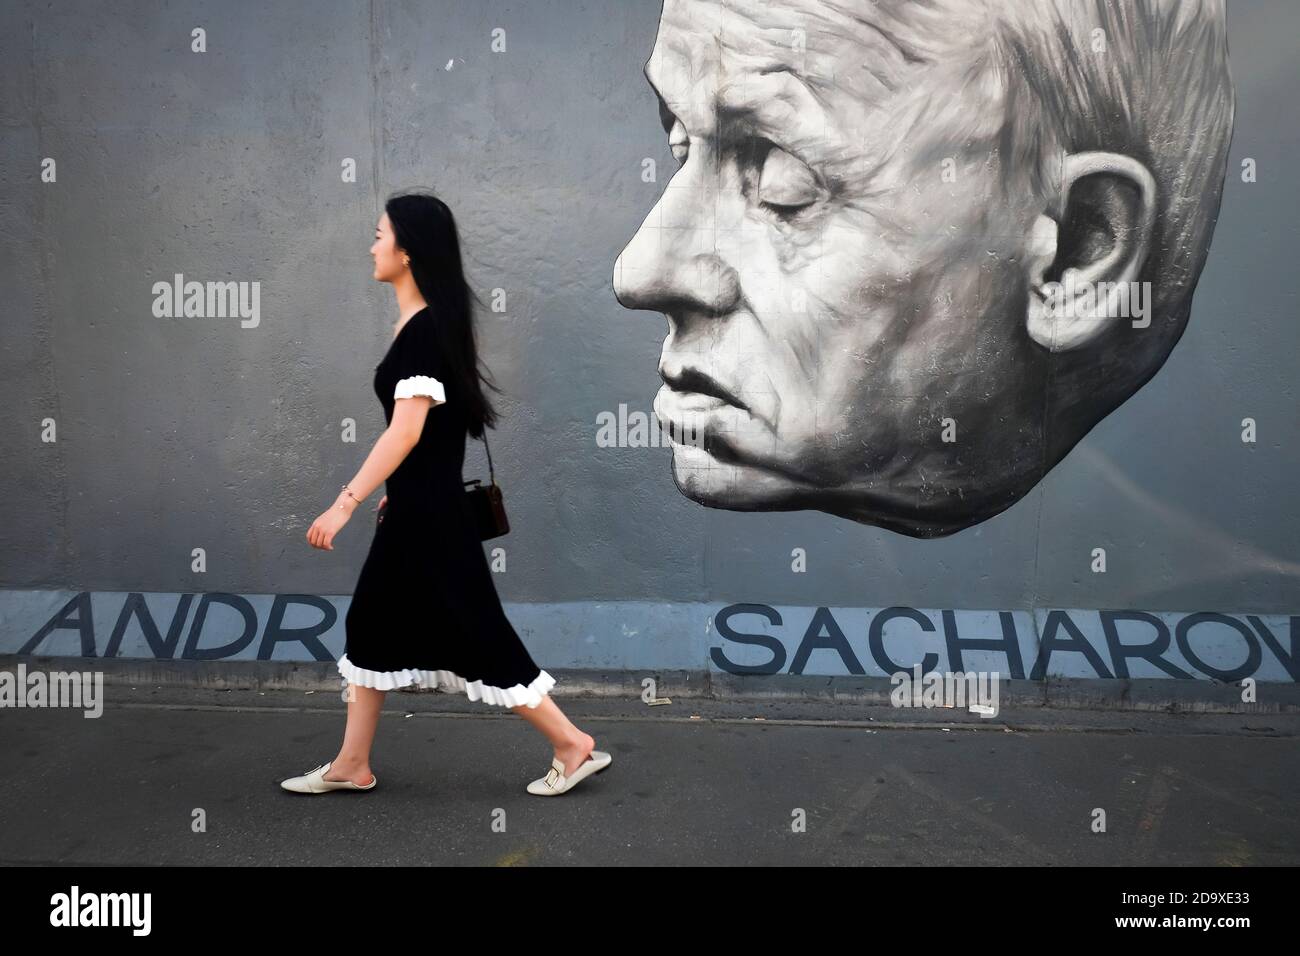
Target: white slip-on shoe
314, 782
556, 783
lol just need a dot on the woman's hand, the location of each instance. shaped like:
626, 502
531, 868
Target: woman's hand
382, 501
323, 529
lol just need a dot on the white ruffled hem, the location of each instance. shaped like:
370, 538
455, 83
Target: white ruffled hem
531, 695
420, 385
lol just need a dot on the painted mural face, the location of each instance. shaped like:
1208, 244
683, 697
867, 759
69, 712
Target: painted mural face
891, 250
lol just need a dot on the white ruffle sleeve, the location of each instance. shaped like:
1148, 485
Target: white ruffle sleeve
420, 385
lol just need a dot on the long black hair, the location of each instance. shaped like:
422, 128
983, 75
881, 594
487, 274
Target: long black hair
425, 230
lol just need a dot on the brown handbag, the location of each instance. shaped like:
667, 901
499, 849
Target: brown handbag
486, 507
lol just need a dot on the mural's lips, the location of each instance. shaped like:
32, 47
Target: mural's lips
689, 416
694, 381
694, 401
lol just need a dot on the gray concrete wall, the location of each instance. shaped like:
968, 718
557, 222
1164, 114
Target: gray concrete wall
197, 433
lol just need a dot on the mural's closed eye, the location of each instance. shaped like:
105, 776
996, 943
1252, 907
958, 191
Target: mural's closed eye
785, 184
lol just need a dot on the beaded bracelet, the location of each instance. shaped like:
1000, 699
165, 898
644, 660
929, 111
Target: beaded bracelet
350, 495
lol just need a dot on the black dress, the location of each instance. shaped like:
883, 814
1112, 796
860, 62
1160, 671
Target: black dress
425, 610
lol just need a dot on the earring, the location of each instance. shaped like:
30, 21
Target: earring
406, 260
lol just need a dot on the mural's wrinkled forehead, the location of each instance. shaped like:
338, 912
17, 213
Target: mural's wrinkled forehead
892, 30
864, 47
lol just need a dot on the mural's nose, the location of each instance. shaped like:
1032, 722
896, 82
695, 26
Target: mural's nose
637, 272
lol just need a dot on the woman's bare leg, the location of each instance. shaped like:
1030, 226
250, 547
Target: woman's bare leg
571, 744
353, 760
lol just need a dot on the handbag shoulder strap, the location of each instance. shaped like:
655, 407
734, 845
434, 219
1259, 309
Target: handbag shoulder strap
492, 475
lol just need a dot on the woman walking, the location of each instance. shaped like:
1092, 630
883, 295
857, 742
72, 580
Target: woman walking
425, 609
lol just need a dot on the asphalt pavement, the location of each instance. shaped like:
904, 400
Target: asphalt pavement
174, 775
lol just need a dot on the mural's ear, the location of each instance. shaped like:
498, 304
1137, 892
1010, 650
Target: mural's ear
1108, 211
